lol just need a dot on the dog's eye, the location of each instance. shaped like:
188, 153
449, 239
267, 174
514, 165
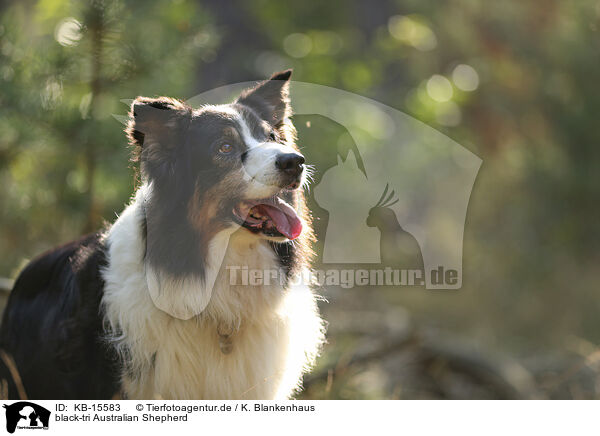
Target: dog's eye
225, 148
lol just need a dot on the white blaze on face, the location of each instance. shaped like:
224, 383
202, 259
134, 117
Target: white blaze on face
259, 167
262, 177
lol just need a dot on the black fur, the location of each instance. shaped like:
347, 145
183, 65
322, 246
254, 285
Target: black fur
52, 326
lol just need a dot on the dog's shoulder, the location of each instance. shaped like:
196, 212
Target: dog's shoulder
55, 304
52, 276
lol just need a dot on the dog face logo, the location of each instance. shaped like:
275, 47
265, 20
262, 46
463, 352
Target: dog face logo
26, 415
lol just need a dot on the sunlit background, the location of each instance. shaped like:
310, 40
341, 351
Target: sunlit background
515, 82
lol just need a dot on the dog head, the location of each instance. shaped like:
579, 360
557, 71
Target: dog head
225, 165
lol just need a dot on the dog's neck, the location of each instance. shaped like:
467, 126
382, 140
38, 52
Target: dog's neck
186, 290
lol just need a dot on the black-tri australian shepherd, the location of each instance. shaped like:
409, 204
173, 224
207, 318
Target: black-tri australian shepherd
158, 305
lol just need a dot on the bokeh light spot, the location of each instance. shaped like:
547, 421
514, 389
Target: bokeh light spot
68, 32
465, 77
412, 31
297, 45
439, 88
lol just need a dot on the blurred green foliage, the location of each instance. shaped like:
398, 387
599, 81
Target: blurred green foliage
513, 81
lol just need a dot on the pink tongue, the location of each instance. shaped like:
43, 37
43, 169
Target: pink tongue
287, 223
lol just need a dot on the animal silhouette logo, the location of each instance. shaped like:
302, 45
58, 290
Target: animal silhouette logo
26, 415
398, 248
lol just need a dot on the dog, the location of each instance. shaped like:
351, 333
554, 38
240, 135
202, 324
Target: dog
154, 306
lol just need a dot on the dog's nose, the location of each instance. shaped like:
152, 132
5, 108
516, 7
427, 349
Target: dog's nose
290, 163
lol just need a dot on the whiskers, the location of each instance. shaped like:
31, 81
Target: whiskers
309, 177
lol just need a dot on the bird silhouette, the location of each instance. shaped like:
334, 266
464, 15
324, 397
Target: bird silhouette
398, 248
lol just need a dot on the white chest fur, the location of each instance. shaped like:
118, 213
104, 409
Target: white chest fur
276, 331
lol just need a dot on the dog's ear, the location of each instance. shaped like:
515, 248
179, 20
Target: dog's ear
270, 98
154, 119
156, 126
